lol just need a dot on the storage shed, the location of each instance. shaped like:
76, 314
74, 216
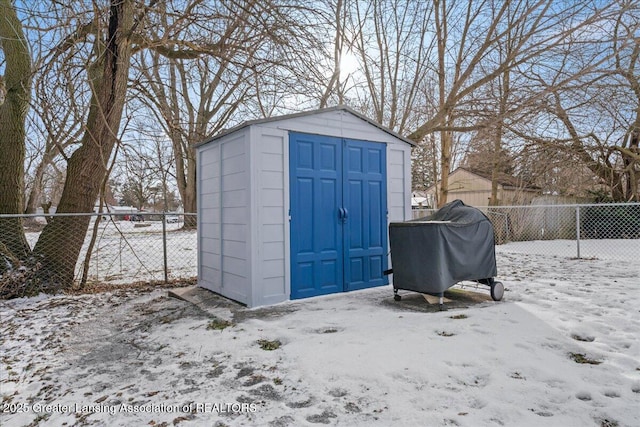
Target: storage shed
299, 205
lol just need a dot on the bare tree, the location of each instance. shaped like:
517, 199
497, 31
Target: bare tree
423, 167
87, 166
144, 170
334, 85
55, 123
469, 57
103, 39
100, 40
503, 84
391, 40
138, 177
626, 48
162, 163
591, 102
15, 86
195, 96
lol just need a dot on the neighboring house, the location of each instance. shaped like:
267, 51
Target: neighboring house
474, 188
421, 200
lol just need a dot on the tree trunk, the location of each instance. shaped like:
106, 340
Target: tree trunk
504, 90
630, 164
87, 166
189, 197
13, 111
445, 166
446, 136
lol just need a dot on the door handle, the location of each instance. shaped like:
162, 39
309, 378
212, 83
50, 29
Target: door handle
346, 214
341, 213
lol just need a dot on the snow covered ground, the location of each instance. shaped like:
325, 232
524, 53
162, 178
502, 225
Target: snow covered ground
615, 249
141, 358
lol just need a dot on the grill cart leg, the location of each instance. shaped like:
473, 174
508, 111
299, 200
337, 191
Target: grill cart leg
441, 305
396, 297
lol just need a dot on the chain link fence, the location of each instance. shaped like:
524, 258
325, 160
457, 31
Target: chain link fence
605, 231
122, 248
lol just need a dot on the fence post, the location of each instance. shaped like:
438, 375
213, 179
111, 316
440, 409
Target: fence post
506, 222
164, 246
578, 229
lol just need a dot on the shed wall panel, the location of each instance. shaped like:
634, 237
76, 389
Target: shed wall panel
210, 200
212, 217
235, 209
273, 197
208, 159
271, 180
233, 180
237, 215
233, 265
209, 273
270, 146
273, 233
210, 245
272, 289
210, 170
234, 249
234, 287
396, 184
211, 185
272, 161
236, 232
234, 199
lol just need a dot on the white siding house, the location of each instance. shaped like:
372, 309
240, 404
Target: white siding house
474, 189
251, 194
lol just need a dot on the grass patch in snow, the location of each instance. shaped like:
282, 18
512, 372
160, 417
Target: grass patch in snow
218, 324
459, 316
581, 358
269, 345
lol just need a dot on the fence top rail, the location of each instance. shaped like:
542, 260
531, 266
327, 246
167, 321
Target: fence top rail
574, 205
40, 215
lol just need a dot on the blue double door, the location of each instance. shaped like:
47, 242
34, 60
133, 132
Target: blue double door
338, 200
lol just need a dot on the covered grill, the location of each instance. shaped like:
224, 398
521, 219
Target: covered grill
431, 254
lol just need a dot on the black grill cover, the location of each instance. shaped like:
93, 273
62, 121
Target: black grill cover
431, 254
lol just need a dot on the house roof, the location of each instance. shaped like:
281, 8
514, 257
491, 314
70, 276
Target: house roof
503, 179
506, 181
308, 113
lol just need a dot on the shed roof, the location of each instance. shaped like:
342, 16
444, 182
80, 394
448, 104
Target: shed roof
308, 113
